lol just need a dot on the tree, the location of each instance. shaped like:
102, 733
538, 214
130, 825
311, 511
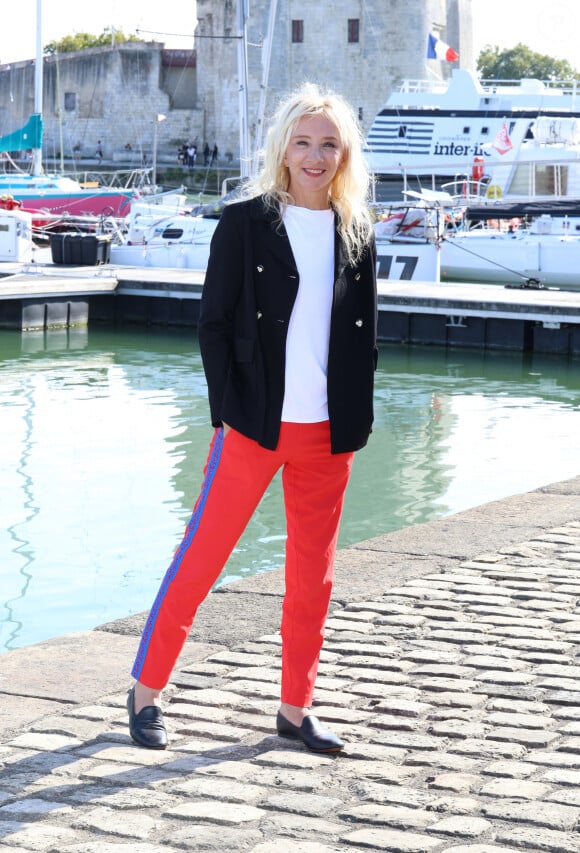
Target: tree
519, 61
82, 41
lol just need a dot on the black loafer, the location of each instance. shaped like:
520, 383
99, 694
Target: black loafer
147, 728
312, 733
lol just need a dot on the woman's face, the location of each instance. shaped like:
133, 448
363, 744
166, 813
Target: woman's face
313, 158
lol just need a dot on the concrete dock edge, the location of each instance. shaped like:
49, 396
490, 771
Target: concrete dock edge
450, 669
81, 667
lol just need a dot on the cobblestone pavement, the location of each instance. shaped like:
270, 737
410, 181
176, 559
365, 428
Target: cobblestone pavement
458, 694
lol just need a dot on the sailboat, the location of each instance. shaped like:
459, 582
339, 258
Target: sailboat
53, 194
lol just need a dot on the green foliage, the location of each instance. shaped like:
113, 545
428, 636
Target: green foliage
82, 41
519, 61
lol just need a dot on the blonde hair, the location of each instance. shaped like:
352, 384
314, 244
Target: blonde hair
349, 192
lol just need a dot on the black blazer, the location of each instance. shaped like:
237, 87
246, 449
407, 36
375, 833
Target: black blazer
250, 288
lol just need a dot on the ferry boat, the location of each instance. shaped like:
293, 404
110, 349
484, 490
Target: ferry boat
444, 127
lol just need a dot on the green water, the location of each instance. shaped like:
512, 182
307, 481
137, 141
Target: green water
104, 434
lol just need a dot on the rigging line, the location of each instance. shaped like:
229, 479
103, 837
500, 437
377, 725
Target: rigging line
196, 36
157, 33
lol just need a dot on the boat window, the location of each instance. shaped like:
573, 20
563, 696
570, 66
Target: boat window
539, 180
485, 131
402, 131
172, 233
466, 130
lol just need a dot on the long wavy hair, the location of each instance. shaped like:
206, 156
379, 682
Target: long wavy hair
349, 191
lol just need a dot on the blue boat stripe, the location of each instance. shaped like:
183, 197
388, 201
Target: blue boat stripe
212, 466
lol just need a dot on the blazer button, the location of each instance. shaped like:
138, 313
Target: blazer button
259, 315
359, 323
260, 268
357, 277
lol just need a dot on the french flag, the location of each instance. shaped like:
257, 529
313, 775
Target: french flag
437, 49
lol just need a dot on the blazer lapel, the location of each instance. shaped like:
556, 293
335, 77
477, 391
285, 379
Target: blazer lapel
340, 256
276, 238
340, 264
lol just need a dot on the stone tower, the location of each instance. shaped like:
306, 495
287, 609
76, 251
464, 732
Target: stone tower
360, 48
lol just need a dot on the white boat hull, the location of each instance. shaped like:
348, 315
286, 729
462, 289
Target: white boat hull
553, 260
15, 236
170, 256
399, 260
161, 241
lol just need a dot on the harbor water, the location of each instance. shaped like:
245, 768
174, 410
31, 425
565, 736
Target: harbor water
104, 435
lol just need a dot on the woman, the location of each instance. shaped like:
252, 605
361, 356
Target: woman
287, 334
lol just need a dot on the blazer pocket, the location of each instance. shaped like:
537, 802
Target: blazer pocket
243, 349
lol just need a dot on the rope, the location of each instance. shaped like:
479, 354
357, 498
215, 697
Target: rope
532, 283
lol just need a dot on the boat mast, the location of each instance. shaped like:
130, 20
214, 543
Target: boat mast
266, 62
243, 12
38, 78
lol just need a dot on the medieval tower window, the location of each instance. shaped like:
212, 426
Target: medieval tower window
70, 101
353, 30
297, 32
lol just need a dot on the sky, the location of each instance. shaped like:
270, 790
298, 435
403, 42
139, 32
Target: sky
171, 22
545, 27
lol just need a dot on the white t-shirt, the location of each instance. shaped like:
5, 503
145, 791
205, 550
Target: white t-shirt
311, 234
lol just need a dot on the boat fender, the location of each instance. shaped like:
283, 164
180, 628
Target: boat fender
8, 202
478, 168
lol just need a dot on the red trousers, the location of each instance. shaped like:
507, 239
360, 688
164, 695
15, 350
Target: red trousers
236, 476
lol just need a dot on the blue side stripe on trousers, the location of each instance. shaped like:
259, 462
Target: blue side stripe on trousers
212, 466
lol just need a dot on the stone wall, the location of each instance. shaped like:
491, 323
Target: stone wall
112, 94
